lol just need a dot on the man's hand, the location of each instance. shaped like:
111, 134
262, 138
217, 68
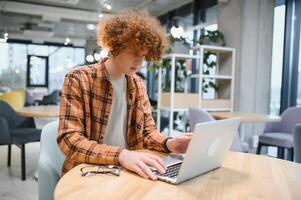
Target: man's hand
139, 163
179, 144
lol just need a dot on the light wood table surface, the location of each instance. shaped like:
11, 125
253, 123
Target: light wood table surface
39, 111
242, 176
246, 117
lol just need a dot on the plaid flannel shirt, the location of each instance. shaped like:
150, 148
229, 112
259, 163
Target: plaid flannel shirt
84, 112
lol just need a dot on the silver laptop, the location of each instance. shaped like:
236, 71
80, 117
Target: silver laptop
206, 151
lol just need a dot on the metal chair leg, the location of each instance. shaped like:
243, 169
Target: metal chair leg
9, 155
23, 171
280, 152
258, 148
291, 154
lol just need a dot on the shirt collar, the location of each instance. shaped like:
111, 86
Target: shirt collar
104, 76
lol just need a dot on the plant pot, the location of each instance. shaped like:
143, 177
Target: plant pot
219, 42
179, 47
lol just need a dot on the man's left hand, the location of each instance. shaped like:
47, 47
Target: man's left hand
179, 144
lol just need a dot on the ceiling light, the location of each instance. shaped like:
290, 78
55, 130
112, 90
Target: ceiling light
177, 32
100, 15
107, 6
67, 41
90, 27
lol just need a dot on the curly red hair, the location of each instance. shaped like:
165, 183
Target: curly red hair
115, 32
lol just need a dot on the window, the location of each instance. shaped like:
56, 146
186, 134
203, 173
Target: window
14, 63
299, 76
277, 58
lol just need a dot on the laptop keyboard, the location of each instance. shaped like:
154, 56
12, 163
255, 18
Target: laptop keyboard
171, 171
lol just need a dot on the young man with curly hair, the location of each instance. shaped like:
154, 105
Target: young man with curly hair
105, 112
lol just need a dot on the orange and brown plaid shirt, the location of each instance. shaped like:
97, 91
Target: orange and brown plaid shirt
84, 112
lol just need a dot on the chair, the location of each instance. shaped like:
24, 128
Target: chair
29, 99
51, 99
197, 115
16, 130
280, 134
297, 143
16, 99
50, 161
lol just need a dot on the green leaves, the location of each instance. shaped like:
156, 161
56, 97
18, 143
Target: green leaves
212, 36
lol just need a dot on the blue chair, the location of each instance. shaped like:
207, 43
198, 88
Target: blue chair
51, 99
198, 115
16, 130
297, 143
280, 134
50, 161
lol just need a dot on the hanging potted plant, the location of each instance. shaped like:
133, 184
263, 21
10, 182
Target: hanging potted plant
215, 38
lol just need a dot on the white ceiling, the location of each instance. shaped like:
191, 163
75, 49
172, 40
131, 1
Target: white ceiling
54, 20
156, 7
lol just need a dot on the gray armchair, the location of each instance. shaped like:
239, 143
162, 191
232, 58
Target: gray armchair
280, 134
16, 130
297, 143
50, 161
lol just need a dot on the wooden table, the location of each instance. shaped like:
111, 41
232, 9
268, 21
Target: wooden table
246, 117
242, 176
39, 111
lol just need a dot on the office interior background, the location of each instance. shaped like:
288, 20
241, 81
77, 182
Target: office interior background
61, 36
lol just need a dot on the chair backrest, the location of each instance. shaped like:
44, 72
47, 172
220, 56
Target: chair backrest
29, 99
5, 137
198, 115
13, 120
297, 143
289, 118
51, 99
50, 161
7, 112
16, 99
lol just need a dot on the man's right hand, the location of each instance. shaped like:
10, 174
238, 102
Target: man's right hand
139, 163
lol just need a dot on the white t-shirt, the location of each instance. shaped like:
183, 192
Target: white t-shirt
115, 133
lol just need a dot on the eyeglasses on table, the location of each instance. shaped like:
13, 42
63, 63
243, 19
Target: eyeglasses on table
100, 169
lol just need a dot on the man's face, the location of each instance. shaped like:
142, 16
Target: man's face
130, 59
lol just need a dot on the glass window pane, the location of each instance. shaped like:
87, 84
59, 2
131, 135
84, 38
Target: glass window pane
277, 58
38, 50
37, 67
62, 60
299, 76
13, 65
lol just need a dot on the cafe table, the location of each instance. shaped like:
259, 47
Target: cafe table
241, 176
